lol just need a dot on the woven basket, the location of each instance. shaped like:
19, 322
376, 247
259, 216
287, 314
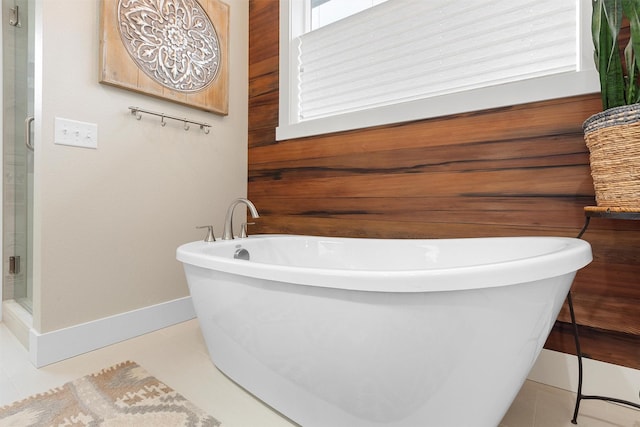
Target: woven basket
613, 139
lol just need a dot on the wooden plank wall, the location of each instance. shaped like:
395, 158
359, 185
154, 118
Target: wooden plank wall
522, 170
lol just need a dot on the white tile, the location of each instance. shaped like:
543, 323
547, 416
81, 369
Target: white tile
13, 356
8, 392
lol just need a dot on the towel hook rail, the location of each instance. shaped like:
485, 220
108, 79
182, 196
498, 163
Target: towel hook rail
205, 127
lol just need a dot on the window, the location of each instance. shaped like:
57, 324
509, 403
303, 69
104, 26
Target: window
404, 60
325, 12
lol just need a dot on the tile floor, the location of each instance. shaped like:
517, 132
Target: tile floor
178, 357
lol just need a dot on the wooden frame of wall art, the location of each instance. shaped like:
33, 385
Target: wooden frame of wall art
171, 49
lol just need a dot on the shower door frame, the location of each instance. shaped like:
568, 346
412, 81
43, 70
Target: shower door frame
31, 12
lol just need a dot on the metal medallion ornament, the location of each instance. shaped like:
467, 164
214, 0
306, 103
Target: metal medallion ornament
172, 41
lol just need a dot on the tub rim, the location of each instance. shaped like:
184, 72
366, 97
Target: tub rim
573, 255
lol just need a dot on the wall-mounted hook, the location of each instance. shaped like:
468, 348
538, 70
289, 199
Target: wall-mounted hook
205, 129
162, 122
136, 113
186, 126
15, 17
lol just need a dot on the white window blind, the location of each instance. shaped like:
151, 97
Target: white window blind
406, 60
403, 50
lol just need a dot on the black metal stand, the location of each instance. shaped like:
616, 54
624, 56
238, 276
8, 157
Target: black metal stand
600, 213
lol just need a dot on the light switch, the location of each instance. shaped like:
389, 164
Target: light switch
75, 133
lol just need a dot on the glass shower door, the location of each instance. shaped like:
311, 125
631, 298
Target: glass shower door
18, 102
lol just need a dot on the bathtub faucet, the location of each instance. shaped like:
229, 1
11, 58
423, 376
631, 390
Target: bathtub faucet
227, 234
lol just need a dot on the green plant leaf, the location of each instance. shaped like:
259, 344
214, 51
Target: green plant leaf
596, 24
631, 74
606, 22
631, 9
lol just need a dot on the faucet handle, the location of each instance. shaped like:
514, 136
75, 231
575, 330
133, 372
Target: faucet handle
210, 237
243, 229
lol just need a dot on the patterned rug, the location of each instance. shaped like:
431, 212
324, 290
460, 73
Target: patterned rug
122, 395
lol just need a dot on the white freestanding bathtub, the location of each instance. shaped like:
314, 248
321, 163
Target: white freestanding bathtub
370, 332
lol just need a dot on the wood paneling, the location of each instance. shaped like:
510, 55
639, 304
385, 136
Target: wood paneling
521, 170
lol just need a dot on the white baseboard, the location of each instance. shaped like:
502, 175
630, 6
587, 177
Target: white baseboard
599, 378
64, 343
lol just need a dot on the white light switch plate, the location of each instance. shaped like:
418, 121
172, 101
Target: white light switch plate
75, 133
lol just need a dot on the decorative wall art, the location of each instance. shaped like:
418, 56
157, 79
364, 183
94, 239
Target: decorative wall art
171, 49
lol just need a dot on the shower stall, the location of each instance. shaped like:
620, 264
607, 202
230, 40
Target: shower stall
18, 157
